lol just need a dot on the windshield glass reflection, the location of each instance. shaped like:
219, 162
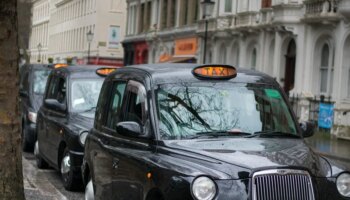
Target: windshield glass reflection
221, 109
84, 94
39, 83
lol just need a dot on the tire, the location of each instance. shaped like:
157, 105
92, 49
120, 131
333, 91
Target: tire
89, 191
26, 146
71, 179
40, 162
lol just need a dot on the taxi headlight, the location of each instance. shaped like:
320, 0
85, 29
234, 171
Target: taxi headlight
203, 188
32, 117
343, 184
82, 137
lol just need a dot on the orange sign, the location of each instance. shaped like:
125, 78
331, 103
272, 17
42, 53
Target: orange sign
186, 46
215, 71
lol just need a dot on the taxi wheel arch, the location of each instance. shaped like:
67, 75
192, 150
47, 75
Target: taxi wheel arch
70, 181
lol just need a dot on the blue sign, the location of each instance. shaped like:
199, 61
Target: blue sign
325, 116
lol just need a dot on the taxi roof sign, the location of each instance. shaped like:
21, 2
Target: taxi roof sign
59, 65
215, 72
105, 71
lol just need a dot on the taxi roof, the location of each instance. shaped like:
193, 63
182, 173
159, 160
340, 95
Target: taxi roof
174, 73
81, 71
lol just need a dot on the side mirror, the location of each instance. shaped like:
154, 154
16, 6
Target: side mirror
130, 128
307, 128
23, 93
55, 105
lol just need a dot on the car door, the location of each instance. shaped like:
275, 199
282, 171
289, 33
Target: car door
44, 117
56, 121
103, 163
129, 155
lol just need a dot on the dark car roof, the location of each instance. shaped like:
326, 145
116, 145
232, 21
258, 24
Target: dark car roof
81, 71
174, 73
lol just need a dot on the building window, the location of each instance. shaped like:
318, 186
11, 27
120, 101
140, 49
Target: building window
222, 54
253, 64
266, 4
228, 6
324, 68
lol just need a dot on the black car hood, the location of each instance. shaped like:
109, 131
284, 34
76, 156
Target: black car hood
83, 121
254, 154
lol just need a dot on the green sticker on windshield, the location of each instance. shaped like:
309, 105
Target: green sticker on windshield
272, 93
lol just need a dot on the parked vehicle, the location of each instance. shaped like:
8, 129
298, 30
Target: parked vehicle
32, 87
67, 113
173, 131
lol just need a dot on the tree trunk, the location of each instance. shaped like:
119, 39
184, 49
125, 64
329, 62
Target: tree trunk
11, 177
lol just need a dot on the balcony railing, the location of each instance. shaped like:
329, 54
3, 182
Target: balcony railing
247, 19
322, 10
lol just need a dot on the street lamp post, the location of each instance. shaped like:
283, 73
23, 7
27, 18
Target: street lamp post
39, 50
207, 8
89, 36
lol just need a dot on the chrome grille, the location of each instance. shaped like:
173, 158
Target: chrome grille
282, 184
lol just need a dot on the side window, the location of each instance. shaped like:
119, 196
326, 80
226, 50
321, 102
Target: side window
24, 80
137, 105
61, 90
57, 89
115, 104
51, 90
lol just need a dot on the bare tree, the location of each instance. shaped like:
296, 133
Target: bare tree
11, 177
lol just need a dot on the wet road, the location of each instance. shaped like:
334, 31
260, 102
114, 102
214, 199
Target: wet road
44, 184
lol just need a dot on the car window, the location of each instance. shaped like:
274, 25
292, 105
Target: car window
24, 80
57, 89
85, 93
189, 109
115, 104
51, 92
136, 105
61, 92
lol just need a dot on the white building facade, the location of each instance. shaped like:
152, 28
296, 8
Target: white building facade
67, 22
304, 44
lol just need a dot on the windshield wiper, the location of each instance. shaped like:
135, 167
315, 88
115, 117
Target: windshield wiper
90, 109
216, 134
272, 133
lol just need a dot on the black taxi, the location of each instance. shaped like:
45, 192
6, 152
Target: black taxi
183, 131
65, 117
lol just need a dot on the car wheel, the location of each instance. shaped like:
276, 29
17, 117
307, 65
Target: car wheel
69, 177
40, 162
89, 191
26, 146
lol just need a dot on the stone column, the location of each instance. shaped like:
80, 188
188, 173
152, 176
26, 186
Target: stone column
169, 15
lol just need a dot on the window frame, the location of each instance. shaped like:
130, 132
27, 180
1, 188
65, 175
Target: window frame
109, 101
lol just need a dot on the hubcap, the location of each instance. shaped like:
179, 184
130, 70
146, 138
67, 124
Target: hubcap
65, 164
89, 191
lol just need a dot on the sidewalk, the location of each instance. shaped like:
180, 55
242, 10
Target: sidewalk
325, 144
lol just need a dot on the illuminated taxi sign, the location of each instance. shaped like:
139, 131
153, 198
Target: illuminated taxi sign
56, 66
215, 72
105, 71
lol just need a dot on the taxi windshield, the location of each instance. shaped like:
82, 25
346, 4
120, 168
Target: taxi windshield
84, 94
39, 82
227, 109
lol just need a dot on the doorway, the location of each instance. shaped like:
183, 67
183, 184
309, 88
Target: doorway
289, 73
